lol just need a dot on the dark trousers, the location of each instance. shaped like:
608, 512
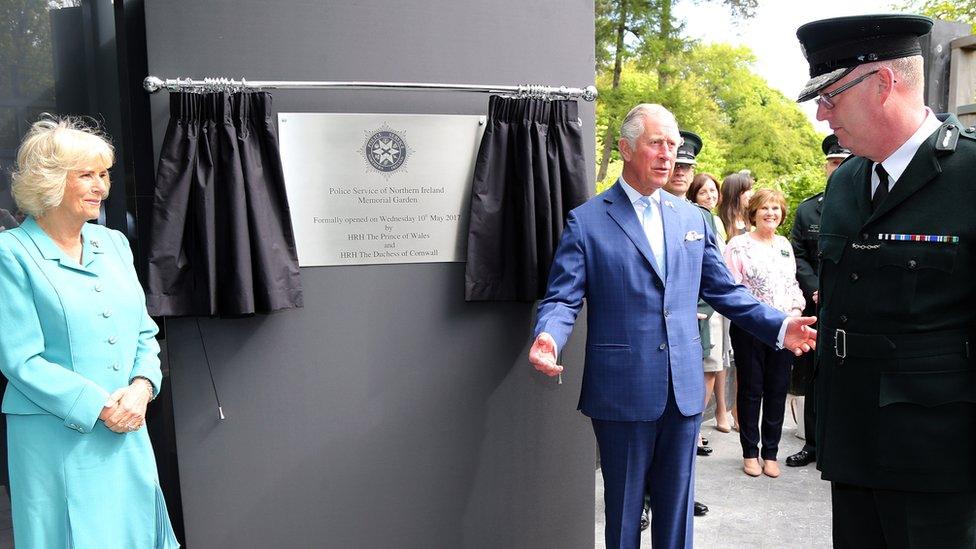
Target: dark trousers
809, 410
763, 376
866, 519
658, 455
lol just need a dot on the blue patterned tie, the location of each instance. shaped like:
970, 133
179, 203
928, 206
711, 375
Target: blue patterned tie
654, 231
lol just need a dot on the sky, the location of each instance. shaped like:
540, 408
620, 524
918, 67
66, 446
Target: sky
771, 35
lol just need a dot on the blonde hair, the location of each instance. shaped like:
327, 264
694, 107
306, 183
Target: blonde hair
53, 147
766, 196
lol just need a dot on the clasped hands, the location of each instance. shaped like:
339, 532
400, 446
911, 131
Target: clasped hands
125, 410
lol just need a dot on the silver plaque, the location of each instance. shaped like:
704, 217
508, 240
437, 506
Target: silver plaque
379, 188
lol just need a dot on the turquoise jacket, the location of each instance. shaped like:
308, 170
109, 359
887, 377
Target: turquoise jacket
67, 363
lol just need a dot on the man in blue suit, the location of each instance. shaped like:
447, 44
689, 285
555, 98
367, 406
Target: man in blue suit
641, 258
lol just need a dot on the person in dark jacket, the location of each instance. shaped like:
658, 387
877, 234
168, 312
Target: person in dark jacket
803, 237
895, 371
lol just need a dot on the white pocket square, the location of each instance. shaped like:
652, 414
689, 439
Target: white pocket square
694, 235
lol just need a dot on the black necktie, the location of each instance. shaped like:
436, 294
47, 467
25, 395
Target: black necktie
882, 191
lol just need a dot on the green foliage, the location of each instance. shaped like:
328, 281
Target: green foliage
743, 122
947, 10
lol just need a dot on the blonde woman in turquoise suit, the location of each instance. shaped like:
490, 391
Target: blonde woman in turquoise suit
80, 354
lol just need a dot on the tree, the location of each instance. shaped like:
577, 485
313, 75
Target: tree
646, 32
948, 10
743, 122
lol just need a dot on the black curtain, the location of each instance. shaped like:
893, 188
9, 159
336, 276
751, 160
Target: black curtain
221, 237
529, 174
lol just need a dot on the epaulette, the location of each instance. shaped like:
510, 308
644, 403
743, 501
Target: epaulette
948, 137
816, 196
968, 132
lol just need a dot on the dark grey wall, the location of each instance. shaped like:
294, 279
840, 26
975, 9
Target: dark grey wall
388, 412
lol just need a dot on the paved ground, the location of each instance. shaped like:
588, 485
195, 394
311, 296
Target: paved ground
756, 513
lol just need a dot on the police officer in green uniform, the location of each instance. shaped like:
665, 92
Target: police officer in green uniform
803, 237
895, 372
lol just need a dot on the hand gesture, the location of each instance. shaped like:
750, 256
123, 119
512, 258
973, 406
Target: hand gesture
542, 355
800, 337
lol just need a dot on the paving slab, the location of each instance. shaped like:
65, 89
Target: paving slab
756, 513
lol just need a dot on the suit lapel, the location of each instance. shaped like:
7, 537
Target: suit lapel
50, 251
672, 230
622, 212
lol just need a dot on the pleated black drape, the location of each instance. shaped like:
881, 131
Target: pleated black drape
529, 174
221, 236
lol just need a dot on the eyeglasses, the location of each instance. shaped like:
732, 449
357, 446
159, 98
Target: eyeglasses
824, 99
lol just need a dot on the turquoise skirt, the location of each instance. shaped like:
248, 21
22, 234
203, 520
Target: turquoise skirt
84, 491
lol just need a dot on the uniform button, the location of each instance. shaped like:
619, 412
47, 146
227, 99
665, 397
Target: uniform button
662, 346
107, 313
864, 236
115, 366
112, 340
854, 277
843, 319
820, 253
912, 264
98, 287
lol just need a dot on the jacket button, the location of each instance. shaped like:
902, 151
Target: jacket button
820, 253
662, 346
115, 366
98, 287
107, 313
843, 319
854, 277
667, 313
72, 426
864, 236
912, 264
112, 340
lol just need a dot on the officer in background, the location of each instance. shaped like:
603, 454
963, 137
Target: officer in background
896, 370
684, 166
803, 236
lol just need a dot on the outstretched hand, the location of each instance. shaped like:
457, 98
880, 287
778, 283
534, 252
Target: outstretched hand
800, 337
542, 355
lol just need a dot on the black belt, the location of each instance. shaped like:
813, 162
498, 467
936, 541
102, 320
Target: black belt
847, 344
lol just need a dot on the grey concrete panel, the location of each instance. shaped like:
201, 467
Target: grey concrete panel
388, 412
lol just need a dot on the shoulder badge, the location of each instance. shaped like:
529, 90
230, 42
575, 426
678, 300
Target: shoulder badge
818, 197
948, 137
968, 132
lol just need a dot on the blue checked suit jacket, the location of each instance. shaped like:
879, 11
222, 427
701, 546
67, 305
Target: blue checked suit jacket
639, 327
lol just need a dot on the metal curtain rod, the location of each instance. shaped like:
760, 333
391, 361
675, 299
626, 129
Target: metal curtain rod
153, 84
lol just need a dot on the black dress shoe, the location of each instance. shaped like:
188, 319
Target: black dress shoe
704, 451
801, 458
645, 520
700, 509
